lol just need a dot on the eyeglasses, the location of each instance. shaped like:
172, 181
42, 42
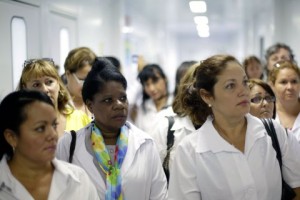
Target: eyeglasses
79, 81
259, 99
31, 61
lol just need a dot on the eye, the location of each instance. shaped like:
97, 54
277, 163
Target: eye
256, 99
40, 129
35, 85
295, 81
123, 98
246, 82
54, 125
230, 86
108, 100
49, 82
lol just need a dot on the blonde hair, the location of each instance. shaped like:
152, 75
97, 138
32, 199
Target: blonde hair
38, 68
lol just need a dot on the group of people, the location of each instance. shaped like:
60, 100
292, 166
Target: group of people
205, 141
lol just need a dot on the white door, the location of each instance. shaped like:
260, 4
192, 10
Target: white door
63, 37
9, 74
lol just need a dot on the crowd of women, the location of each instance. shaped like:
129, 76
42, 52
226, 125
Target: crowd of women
78, 137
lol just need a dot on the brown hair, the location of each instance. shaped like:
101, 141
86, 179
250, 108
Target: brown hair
248, 61
78, 57
282, 65
205, 77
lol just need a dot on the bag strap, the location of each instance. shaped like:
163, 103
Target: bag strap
72, 145
170, 143
272, 133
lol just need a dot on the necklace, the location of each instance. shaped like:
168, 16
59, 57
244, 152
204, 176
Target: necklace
238, 142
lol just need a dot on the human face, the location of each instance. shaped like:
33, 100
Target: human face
263, 109
156, 89
281, 54
38, 135
46, 84
75, 80
231, 93
254, 70
287, 85
110, 107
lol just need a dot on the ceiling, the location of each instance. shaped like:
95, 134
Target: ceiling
225, 16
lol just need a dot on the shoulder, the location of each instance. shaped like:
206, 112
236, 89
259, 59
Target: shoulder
69, 170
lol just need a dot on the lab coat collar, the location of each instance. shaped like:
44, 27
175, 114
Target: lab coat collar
183, 122
209, 139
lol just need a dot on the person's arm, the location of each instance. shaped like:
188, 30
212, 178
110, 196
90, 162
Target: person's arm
183, 179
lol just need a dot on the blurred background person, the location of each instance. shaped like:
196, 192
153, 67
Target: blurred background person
253, 67
285, 82
181, 71
168, 134
41, 75
28, 167
77, 65
262, 99
121, 160
276, 53
155, 96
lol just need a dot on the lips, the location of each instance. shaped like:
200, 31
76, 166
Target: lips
243, 102
51, 148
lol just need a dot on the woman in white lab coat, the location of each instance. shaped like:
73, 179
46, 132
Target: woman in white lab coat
231, 156
28, 167
121, 160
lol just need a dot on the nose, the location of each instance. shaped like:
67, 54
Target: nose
44, 88
119, 104
52, 134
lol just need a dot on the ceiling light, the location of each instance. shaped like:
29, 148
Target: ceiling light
203, 30
201, 20
198, 6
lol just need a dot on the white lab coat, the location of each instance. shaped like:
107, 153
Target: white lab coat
69, 182
209, 168
296, 127
142, 174
182, 127
146, 119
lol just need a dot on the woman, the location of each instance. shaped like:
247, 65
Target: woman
262, 99
121, 160
77, 65
28, 137
155, 96
230, 156
253, 67
285, 81
40, 74
278, 52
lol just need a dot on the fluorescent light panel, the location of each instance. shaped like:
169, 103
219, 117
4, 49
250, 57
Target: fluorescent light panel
201, 20
198, 6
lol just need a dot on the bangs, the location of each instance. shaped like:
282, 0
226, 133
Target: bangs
38, 71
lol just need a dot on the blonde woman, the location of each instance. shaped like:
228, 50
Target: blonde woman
41, 75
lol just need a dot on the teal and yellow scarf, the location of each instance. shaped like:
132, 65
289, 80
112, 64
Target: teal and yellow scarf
113, 172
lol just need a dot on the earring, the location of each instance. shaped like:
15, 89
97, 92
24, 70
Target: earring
209, 105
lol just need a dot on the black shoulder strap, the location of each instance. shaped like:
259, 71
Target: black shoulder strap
170, 143
272, 133
72, 146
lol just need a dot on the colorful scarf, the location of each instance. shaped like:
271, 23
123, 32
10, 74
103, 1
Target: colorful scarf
113, 172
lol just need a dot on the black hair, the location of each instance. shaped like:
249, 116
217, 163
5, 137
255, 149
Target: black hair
13, 114
114, 61
102, 71
180, 72
150, 71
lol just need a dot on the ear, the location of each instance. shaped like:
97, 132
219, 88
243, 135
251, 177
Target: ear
206, 97
11, 138
89, 105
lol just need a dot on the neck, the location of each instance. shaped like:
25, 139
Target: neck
23, 168
288, 108
161, 102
